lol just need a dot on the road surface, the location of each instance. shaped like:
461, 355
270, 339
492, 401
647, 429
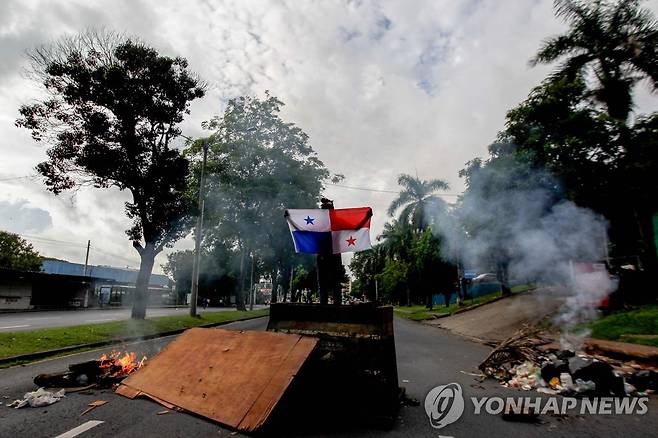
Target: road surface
427, 357
24, 321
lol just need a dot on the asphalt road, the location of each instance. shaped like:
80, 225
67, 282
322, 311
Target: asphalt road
427, 357
25, 321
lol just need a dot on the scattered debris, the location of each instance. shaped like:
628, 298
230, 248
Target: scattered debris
479, 375
520, 348
38, 398
644, 380
526, 361
163, 412
103, 372
93, 405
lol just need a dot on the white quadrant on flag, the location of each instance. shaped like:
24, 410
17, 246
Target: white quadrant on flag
309, 220
350, 240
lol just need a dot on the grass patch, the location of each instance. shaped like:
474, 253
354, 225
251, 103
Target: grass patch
639, 326
15, 343
421, 313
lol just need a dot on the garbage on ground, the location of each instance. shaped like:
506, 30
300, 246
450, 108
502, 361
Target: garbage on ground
104, 372
93, 405
523, 362
38, 398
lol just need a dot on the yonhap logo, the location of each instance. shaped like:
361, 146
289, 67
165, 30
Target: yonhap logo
444, 405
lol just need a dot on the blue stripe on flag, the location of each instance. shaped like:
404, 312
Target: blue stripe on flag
312, 242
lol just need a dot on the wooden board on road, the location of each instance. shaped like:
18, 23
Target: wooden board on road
233, 377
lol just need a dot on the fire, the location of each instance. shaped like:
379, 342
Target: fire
116, 365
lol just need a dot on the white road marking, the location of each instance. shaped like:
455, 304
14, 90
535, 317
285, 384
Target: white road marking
42, 318
80, 429
14, 326
100, 320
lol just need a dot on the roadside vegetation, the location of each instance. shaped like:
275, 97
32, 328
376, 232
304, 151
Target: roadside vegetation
637, 326
422, 313
17, 343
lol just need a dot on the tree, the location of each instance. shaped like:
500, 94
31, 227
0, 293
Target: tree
365, 266
433, 274
415, 197
617, 42
394, 281
258, 166
17, 253
112, 112
602, 163
179, 268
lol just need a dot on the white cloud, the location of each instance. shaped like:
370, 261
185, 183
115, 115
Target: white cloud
381, 87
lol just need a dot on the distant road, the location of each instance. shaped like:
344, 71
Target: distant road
13, 322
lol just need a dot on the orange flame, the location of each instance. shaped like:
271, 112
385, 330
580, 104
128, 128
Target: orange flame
118, 365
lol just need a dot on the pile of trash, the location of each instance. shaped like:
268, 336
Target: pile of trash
522, 362
37, 399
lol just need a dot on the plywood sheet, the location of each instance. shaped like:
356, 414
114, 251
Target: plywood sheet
235, 378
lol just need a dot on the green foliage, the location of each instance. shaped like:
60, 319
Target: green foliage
394, 280
601, 162
415, 198
422, 313
112, 110
15, 343
614, 42
639, 326
17, 253
365, 266
258, 166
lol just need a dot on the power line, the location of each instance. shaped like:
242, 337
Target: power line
368, 189
48, 241
53, 241
113, 255
12, 178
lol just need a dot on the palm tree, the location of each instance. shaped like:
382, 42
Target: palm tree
416, 198
614, 43
397, 237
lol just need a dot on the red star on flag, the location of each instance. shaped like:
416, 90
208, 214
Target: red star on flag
351, 241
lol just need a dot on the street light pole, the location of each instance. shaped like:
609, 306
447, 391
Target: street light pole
197, 234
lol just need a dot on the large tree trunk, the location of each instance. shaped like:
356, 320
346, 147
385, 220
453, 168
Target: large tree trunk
140, 299
502, 275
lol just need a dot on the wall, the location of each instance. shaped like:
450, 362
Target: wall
15, 294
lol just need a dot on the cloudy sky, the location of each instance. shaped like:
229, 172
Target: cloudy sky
381, 87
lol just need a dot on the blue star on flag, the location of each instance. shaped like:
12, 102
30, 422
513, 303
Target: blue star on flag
309, 220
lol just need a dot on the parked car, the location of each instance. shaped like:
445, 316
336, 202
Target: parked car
485, 278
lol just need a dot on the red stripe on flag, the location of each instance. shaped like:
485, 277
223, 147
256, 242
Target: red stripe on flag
350, 218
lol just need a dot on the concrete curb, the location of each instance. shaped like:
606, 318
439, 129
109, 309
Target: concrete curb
44, 354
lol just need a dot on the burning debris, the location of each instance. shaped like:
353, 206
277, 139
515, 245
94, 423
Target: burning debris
526, 361
104, 372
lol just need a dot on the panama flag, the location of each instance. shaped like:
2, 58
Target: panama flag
337, 230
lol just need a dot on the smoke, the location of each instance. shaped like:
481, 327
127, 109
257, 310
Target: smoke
514, 219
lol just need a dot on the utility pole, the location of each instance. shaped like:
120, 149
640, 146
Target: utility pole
197, 233
87, 258
252, 295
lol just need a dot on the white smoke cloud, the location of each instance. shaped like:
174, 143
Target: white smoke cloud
515, 216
